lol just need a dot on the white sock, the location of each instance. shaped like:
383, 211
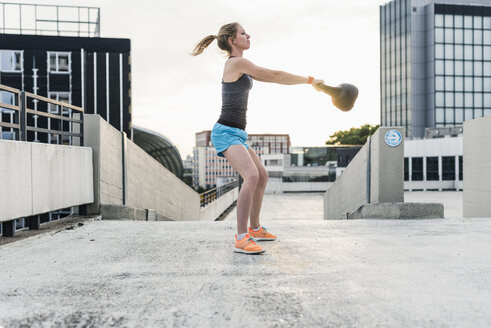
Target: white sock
241, 236
256, 230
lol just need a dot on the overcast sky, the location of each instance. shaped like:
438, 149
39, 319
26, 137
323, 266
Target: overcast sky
178, 95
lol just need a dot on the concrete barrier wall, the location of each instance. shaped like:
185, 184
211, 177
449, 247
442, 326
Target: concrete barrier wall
106, 144
215, 209
15, 180
477, 168
348, 191
386, 183
148, 184
37, 178
151, 185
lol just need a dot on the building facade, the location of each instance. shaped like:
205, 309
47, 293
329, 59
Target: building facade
435, 163
307, 169
269, 143
435, 63
210, 170
93, 73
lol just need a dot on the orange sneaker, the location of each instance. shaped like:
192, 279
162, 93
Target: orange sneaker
247, 246
262, 234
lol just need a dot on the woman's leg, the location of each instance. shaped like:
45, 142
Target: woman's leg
241, 161
257, 200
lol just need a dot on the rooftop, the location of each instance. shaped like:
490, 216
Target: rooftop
387, 273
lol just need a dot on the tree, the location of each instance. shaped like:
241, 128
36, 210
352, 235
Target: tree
353, 136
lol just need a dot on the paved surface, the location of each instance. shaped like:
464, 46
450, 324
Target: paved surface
310, 206
360, 273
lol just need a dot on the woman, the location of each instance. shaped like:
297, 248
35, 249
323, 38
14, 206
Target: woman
229, 136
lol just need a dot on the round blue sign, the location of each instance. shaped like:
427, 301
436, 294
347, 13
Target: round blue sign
393, 138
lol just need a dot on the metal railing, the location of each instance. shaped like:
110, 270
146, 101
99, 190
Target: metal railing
32, 115
215, 193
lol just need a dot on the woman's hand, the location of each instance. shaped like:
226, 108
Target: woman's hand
316, 84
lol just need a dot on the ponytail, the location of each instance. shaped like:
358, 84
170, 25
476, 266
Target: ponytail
226, 31
203, 44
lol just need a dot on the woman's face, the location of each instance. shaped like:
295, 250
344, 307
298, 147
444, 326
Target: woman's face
241, 40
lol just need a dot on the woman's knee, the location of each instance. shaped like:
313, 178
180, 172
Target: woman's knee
263, 178
252, 177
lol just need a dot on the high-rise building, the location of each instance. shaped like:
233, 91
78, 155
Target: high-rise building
435, 63
57, 52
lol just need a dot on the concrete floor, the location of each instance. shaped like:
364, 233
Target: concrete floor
359, 273
310, 206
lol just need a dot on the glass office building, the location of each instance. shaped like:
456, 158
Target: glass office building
435, 63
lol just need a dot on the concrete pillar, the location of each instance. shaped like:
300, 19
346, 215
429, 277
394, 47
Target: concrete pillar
375, 175
477, 168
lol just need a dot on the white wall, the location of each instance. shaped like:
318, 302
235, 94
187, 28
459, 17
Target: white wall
435, 147
37, 178
477, 168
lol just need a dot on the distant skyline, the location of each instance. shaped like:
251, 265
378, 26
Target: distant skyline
178, 95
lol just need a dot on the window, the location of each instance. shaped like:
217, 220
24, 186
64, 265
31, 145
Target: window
448, 168
11, 60
478, 22
439, 115
459, 99
58, 96
438, 20
449, 67
461, 168
406, 169
439, 35
59, 62
432, 173
467, 52
448, 20
439, 84
478, 100
459, 36
459, 115
449, 85
439, 97
417, 168
468, 68
459, 67
8, 98
478, 68
477, 37
439, 51
439, 66
448, 51
477, 84
478, 52
448, 35
468, 101
459, 84
487, 99
458, 21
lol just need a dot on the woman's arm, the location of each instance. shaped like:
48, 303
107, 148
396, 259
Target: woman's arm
243, 65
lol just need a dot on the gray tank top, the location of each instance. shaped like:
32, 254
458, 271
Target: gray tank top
234, 102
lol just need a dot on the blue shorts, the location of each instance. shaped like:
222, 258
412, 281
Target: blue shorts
223, 136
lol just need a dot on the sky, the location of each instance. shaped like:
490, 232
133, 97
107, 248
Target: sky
177, 95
